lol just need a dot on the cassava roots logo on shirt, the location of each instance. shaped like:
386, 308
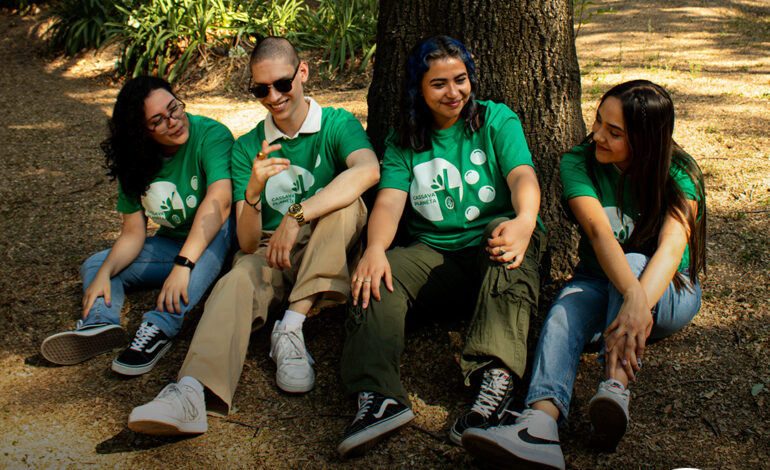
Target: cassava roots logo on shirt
288, 187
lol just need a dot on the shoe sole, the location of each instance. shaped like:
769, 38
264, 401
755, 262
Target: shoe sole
609, 423
159, 428
294, 387
72, 347
365, 439
127, 369
455, 438
493, 452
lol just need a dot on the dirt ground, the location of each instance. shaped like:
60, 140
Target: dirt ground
701, 401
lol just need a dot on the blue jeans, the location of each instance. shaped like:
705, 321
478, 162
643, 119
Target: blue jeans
584, 308
150, 269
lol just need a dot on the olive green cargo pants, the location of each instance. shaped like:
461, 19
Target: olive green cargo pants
429, 280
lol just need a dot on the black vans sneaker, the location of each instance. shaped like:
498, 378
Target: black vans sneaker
377, 416
148, 346
84, 342
494, 396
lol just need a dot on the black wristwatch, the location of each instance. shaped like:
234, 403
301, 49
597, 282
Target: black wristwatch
182, 261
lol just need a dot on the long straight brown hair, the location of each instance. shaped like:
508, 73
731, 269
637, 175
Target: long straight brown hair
649, 120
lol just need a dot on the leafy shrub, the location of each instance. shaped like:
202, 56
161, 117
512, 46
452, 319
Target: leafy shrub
344, 28
289, 19
161, 36
80, 24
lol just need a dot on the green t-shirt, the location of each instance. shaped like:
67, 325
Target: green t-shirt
577, 182
177, 190
457, 187
316, 158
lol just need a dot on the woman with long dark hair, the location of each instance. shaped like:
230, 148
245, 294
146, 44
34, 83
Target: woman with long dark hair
640, 202
173, 168
475, 244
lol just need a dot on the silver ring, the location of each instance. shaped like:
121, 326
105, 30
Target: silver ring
367, 280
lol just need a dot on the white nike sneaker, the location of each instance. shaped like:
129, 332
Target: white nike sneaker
178, 409
294, 365
532, 442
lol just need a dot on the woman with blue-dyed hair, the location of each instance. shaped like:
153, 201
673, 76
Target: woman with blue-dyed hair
475, 243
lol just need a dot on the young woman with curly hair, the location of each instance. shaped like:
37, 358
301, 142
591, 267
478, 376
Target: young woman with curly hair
173, 168
464, 168
640, 203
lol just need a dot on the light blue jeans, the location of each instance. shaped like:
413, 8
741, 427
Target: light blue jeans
585, 307
150, 269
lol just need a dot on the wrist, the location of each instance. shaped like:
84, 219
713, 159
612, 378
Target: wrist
528, 219
183, 262
252, 194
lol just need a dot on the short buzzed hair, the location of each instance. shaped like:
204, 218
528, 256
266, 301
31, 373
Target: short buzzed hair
273, 47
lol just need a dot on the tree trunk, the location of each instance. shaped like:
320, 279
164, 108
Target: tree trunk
525, 56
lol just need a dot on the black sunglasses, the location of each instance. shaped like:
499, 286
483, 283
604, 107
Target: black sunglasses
284, 85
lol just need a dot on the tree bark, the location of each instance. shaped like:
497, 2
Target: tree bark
525, 57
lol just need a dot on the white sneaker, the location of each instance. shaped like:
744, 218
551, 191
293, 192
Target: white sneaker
608, 410
178, 409
294, 365
532, 442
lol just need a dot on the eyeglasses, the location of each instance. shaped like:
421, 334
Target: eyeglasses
161, 123
284, 85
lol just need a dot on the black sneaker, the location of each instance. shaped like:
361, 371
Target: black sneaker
84, 342
489, 408
377, 416
148, 346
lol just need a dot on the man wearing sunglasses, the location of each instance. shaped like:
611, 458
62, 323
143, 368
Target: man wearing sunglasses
298, 177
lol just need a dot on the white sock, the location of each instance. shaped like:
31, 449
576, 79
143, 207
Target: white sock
292, 320
191, 382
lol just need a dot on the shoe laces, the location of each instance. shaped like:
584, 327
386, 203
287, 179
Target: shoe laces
295, 350
494, 385
146, 332
365, 400
172, 393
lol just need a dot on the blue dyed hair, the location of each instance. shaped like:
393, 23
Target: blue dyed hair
416, 119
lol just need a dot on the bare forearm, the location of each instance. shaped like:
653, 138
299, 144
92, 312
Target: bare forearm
212, 213
248, 225
614, 263
125, 250
341, 191
525, 194
383, 222
662, 267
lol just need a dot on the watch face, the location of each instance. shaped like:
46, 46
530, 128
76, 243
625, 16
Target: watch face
294, 208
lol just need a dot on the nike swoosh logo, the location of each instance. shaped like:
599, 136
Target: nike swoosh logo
383, 406
525, 436
155, 346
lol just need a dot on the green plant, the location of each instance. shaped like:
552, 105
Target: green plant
80, 24
345, 29
290, 19
162, 36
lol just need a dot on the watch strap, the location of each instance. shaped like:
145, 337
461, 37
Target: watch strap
182, 261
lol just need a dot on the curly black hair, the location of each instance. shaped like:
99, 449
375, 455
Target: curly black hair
131, 155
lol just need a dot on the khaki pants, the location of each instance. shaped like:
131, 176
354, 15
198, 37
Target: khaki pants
242, 299
426, 280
